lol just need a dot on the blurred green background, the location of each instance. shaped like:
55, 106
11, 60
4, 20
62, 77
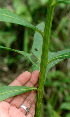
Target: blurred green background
56, 100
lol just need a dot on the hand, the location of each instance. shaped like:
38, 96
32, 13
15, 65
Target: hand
11, 106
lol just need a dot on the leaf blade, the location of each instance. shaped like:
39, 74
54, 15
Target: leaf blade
38, 41
7, 16
20, 52
9, 91
37, 45
56, 57
61, 56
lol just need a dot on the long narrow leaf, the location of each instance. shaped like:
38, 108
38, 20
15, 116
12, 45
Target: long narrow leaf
9, 91
37, 46
7, 16
66, 54
56, 57
20, 52
38, 41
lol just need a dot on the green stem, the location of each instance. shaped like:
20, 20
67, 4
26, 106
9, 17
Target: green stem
44, 57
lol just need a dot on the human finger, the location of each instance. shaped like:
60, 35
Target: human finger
28, 102
22, 79
18, 100
32, 110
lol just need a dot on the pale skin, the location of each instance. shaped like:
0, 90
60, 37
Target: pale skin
11, 106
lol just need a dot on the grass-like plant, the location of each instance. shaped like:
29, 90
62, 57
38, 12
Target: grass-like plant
40, 48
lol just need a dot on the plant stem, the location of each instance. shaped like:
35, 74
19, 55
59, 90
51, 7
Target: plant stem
44, 57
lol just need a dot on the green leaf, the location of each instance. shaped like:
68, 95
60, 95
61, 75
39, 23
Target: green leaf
36, 66
62, 1
7, 16
63, 54
55, 57
65, 106
20, 52
37, 43
9, 91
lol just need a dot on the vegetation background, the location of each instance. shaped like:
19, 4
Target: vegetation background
56, 100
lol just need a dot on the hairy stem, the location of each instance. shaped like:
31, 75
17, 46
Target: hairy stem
44, 57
